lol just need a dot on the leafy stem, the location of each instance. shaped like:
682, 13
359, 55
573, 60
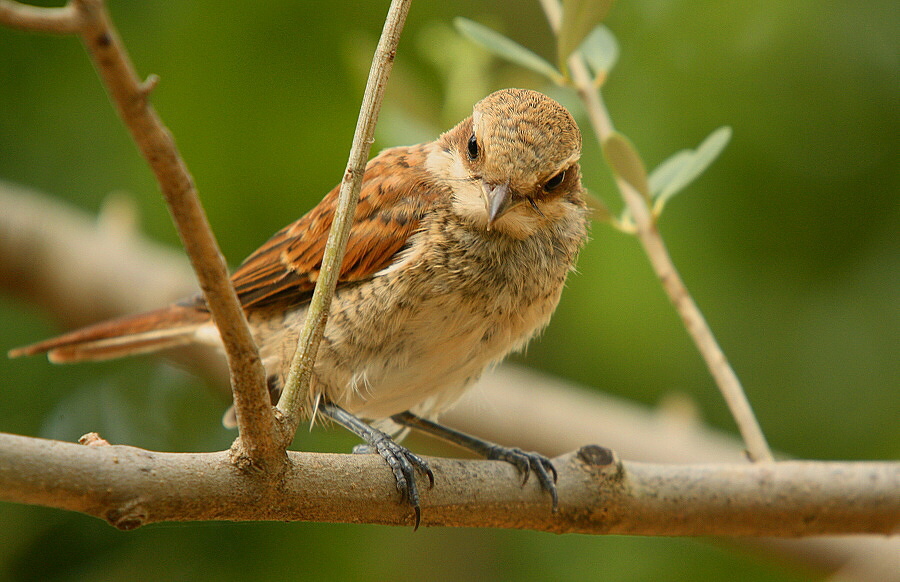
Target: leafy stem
588, 51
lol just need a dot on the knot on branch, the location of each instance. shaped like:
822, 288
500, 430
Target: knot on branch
93, 439
596, 455
131, 515
600, 460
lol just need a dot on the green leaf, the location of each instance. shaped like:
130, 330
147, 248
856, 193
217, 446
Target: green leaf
678, 171
664, 173
601, 50
626, 163
579, 18
507, 49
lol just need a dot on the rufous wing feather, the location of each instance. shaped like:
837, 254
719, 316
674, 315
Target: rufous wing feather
396, 192
147, 332
284, 270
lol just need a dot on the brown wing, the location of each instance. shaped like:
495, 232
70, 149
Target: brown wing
396, 193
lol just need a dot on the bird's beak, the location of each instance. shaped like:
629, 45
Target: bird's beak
497, 198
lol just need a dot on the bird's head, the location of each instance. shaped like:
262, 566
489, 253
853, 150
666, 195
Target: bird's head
512, 165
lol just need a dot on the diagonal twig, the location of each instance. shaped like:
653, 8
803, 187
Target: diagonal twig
90, 20
297, 384
654, 246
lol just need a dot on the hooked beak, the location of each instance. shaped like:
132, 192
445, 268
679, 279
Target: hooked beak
496, 198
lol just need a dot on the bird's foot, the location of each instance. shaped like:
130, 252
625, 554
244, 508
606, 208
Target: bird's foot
527, 463
404, 464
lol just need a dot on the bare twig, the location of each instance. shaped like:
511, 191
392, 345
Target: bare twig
297, 383
648, 234
65, 20
90, 20
130, 487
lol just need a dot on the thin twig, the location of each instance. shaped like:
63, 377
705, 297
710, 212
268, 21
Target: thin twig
297, 384
654, 246
65, 20
90, 20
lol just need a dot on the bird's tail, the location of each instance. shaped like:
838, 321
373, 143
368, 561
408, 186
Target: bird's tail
136, 334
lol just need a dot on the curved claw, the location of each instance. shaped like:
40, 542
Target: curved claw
527, 462
524, 462
404, 464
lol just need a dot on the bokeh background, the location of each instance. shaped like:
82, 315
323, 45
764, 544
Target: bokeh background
789, 243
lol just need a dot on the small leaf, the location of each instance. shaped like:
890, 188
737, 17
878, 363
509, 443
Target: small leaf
508, 49
601, 50
712, 146
579, 18
626, 163
691, 164
664, 173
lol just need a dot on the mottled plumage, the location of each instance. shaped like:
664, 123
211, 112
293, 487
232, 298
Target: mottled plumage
458, 254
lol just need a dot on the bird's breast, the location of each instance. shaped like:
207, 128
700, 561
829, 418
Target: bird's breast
420, 333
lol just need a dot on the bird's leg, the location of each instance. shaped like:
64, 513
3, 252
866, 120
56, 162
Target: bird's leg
401, 460
525, 462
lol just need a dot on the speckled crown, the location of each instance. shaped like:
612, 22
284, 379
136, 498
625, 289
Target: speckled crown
546, 129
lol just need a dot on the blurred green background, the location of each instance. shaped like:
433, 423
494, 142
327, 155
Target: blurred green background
789, 243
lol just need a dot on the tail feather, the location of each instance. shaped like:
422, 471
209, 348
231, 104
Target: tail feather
146, 332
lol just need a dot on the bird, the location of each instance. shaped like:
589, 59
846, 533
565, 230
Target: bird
457, 256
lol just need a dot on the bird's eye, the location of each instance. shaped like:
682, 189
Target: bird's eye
473, 148
555, 181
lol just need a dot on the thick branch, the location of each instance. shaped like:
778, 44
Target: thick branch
39, 236
90, 20
130, 487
